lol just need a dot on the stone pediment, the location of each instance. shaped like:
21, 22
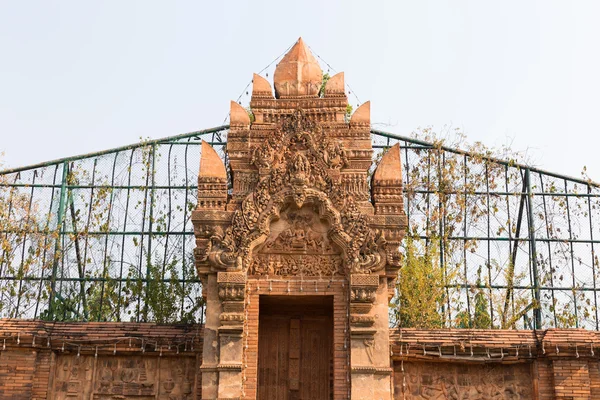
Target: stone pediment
299, 165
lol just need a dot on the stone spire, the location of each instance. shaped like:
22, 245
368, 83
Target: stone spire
298, 74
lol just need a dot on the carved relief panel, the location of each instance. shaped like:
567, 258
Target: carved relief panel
120, 377
297, 245
451, 381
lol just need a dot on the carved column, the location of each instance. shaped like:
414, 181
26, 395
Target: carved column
369, 337
232, 288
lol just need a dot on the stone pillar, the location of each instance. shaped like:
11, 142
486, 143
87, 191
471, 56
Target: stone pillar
210, 351
369, 338
232, 287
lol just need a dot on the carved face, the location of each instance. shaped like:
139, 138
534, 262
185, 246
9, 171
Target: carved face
299, 197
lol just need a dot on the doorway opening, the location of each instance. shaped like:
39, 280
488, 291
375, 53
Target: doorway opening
295, 347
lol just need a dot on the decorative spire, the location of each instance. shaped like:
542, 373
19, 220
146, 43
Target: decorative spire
211, 165
298, 74
261, 88
362, 115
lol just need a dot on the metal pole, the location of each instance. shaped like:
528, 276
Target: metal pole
533, 254
59, 229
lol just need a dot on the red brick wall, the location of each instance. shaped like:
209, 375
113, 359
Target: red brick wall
544, 383
560, 364
594, 368
17, 369
571, 379
33, 349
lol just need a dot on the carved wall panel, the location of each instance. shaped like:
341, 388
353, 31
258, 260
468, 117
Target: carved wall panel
124, 377
468, 382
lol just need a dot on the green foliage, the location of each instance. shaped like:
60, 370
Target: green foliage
420, 287
250, 114
326, 78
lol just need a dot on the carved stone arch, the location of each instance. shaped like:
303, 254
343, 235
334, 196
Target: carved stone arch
325, 210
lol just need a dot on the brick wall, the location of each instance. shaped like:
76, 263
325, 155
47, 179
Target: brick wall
41, 360
551, 364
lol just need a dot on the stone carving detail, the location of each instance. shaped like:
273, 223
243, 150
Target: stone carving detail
297, 166
363, 288
297, 245
449, 381
232, 286
73, 375
309, 265
362, 294
231, 292
124, 377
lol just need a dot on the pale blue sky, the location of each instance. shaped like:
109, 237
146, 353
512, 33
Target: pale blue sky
79, 76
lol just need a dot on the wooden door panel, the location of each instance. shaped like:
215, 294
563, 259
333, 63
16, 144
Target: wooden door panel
295, 353
273, 354
315, 358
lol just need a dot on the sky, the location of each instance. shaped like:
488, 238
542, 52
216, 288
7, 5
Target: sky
78, 77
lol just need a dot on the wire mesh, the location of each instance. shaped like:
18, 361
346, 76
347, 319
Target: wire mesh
108, 236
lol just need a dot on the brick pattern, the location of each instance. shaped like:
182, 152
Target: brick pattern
544, 379
31, 349
561, 362
17, 368
564, 362
571, 379
594, 368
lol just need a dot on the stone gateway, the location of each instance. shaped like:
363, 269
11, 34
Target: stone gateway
298, 260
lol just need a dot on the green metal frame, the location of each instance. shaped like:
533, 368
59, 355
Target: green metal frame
144, 193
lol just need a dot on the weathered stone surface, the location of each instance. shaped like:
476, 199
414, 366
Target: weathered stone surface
238, 116
362, 115
390, 167
335, 86
211, 165
261, 88
453, 381
298, 73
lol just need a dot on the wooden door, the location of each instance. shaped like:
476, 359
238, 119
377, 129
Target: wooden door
295, 354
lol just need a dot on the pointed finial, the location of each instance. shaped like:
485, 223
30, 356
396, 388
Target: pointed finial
298, 74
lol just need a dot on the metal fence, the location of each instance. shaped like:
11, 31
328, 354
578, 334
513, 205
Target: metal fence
108, 236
